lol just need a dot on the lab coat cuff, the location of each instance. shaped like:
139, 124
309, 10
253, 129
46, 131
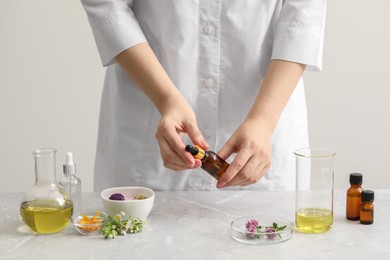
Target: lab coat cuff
115, 34
305, 50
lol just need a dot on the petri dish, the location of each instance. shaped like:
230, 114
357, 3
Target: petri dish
267, 234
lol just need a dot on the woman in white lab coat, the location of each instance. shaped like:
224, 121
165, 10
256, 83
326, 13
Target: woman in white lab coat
225, 75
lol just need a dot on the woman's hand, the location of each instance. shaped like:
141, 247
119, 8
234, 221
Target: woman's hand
253, 159
177, 119
251, 141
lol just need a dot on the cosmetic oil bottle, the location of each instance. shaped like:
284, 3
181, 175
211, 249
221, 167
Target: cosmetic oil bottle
211, 162
71, 183
354, 195
367, 208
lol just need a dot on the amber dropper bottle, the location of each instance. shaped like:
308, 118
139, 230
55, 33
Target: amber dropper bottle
367, 208
211, 162
354, 200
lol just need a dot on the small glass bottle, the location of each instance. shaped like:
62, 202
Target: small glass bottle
46, 208
354, 200
71, 184
367, 208
211, 162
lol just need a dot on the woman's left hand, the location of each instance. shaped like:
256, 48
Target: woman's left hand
251, 142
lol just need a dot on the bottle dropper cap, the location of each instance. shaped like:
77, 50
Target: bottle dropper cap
69, 167
196, 151
355, 178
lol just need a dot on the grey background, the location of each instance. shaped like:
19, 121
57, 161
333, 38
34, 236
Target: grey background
51, 81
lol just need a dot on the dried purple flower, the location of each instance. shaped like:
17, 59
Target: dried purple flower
251, 226
255, 231
272, 232
117, 196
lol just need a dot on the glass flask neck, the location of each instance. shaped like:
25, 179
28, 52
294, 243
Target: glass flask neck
45, 166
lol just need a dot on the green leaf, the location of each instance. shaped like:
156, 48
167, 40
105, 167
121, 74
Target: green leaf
274, 225
281, 228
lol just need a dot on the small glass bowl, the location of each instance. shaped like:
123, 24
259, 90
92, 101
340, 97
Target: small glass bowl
240, 233
91, 226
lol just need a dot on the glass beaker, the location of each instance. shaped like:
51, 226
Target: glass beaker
46, 208
314, 190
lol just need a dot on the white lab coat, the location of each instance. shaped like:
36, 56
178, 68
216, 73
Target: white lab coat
216, 52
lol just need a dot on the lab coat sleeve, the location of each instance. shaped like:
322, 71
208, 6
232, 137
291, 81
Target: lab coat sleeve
299, 33
114, 27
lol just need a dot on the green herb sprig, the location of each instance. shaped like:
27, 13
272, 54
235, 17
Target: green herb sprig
119, 225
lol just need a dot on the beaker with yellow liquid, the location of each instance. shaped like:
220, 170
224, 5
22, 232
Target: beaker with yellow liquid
46, 208
314, 190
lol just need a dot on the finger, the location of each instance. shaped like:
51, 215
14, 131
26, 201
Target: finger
259, 172
172, 138
235, 167
168, 155
195, 135
179, 167
226, 150
174, 166
198, 163
255, 176
171, 159
247, 174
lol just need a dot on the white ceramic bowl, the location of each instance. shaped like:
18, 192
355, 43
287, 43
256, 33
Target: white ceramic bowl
132, 207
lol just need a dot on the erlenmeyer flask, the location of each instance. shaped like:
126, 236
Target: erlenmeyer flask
46, 208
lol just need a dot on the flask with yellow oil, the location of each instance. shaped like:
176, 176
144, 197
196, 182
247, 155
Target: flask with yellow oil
46, 208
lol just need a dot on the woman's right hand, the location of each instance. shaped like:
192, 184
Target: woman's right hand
177, 119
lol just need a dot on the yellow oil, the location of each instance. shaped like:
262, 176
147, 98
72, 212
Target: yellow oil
313, 220
46, 216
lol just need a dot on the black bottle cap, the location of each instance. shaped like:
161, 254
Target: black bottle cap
192, 150
355, 178
367, 195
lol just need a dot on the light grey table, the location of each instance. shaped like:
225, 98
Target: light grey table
196, 225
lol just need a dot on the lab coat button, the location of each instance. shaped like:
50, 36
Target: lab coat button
209, 83
209, 29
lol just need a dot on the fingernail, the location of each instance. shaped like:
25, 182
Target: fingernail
205, 144
220, 185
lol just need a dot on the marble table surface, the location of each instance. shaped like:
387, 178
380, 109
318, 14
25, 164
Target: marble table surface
196, 225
